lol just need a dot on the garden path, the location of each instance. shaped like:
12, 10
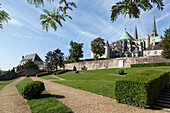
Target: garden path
85, 102
11, 101
58, 77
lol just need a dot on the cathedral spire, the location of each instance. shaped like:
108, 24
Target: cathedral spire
154, 32
136, 34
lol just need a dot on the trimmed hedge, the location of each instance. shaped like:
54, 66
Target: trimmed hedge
61, 72
141, 88
42, 74
74, 68
27, 75
121, 72
32, 90
76, 72
150, 64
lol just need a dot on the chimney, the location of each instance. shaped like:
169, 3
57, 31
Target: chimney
153, 42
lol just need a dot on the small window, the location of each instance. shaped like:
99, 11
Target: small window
148, 52
155, 52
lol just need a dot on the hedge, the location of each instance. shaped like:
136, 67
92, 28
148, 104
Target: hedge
141, 88
42, 74
121, 72
32, 90
61, 72
150, 64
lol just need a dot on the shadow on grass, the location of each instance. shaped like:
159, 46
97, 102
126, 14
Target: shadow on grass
50, 95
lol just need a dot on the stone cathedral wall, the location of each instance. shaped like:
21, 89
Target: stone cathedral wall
123, 62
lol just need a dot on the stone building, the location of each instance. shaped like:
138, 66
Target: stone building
33, 57
129, 46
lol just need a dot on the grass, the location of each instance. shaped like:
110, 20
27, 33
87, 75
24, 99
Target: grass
3, 83
100, 81
48, 77
47, 103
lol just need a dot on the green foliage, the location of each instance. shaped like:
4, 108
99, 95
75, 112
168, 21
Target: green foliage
51, 18
3, 83
54, 59
27, 75
32, 90
46, 104
132, 7
42, 74
28, 65
165, 44
97, 47
121, 72
4, 17
61, 72
69, 61
76, 72
141, 88
74, 68
150, 64
48, 77
76, 50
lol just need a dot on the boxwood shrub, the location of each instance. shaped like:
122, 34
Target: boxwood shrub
150, 64
42, 74
76, 72
121, 72
32, 90
141, 88
74, 68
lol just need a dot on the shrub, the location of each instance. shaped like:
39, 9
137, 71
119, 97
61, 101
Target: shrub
27, 75
62, 71
150, 64
42, 74
32, 90
141, 88
74, 68
76, 72
120, 71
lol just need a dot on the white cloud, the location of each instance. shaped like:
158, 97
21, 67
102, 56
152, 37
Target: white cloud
15, 22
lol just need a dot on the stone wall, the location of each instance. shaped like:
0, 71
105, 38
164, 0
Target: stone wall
123, 62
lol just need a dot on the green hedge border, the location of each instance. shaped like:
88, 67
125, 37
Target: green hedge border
150, 64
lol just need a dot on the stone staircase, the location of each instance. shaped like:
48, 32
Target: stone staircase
163, 101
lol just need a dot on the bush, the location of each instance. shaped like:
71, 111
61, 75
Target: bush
150, 64
141, 88
74, 68
76, 72
61, 72
121, 72
42, 74
27, 75
32, 90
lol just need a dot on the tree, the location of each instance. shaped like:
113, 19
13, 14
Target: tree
125, 7
133, 7
97, 47
4, 17
76, 50
54, 59
0, 71
28, 65
165, 44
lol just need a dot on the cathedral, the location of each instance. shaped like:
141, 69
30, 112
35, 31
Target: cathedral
129, 46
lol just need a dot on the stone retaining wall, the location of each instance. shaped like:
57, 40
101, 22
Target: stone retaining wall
123, 62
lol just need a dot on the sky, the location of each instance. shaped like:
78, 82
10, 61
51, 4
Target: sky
23, 34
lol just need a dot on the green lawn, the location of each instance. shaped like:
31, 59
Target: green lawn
48, 77
46, 104
3, 83
100, 81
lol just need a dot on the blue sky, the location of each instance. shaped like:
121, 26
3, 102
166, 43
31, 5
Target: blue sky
23, 34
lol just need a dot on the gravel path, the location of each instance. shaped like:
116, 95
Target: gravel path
85, 102
58, 77
11, 101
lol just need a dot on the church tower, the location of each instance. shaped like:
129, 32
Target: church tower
136, 34
154, 32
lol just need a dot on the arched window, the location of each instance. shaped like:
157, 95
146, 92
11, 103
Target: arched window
155, 52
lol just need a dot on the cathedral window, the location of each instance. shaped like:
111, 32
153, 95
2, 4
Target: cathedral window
155, 52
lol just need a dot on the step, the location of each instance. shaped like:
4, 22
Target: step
164, 98
162, 101
161, 108
162, 105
